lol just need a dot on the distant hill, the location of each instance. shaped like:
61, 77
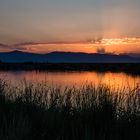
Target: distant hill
137, 55
67, 57
19, 56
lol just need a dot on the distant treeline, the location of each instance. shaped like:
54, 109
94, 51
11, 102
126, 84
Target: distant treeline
132, 68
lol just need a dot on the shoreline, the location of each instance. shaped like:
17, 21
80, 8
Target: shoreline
129, 68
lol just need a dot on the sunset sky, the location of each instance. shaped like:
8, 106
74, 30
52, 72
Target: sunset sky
43, 26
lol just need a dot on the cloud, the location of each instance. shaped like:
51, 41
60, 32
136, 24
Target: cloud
3, 45
37, 46
11, 47
99, 45
101, 50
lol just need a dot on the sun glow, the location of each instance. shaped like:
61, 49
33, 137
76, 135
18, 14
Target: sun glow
110, 45
116, 45
104, 45
116, 41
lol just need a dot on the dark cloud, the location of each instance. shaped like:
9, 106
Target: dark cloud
12, 47
101, 50
23, 45
3, 45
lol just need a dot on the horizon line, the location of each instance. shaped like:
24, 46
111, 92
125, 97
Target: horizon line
16, 50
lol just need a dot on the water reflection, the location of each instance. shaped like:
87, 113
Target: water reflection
72, 78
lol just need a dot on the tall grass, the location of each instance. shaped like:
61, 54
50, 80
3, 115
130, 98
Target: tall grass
39, 112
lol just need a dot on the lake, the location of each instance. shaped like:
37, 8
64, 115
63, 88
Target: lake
73, 78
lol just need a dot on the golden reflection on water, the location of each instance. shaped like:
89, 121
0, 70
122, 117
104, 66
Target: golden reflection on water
119, 80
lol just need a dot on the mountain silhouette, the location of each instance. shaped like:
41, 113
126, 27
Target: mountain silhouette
66, 57
137, 55
19, 56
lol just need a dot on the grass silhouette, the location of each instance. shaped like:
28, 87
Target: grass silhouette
39, 112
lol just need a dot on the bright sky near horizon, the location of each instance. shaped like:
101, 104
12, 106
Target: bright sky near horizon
70, 25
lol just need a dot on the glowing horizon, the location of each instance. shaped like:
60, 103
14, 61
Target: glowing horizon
77, 25
106, 45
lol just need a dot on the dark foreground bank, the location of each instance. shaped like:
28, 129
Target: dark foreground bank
132, 68
39, 112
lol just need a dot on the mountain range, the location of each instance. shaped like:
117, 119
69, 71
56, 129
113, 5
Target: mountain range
67, 57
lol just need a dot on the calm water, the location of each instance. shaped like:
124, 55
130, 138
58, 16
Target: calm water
72, 78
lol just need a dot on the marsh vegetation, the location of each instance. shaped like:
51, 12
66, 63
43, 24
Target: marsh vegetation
38, 111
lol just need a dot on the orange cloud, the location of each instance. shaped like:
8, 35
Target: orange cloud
111, 45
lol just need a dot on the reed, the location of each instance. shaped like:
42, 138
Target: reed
38, 111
